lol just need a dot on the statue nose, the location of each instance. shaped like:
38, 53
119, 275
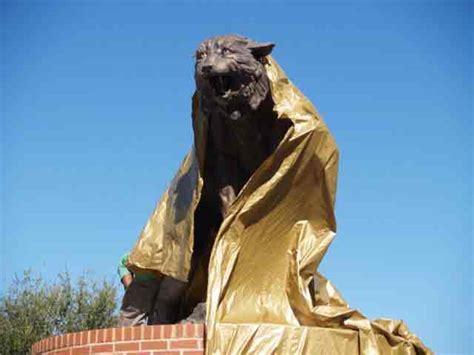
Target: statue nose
206, 68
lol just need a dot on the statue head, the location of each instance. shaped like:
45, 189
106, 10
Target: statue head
230, 73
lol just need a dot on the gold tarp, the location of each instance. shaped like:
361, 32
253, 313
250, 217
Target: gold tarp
264, 295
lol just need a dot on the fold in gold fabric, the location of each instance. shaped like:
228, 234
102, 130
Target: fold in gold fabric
264, 295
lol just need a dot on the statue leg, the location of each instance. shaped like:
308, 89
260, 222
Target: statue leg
168, 301
137, 302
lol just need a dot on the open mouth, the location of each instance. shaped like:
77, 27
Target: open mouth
222, 84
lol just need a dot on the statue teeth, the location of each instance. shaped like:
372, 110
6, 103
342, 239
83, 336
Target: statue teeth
227, 94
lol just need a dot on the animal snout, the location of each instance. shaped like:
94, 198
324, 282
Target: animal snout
206, 68
214, 66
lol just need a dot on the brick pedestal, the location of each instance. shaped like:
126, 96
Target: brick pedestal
177, 339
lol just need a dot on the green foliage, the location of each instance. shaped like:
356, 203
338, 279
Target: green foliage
32, 309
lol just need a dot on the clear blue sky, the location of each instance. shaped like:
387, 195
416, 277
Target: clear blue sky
95, 120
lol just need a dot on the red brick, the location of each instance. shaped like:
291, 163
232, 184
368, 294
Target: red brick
126, 346
137, 332
127, 334
178, 331
167, 331
81, 351
109, 335
102, 336
87, 337
147, 332
84, 339
184, 344
158, 331
166, 352
94, 334
118, 334
184, 339
199, 330
102, 348
90, 337
62, 352
188, 330
154, 345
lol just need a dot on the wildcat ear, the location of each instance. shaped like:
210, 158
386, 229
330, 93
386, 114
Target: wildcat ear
260, 50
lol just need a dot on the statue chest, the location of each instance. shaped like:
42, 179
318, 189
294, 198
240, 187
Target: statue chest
241, 140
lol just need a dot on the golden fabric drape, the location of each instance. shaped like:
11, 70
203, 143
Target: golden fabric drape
264, 294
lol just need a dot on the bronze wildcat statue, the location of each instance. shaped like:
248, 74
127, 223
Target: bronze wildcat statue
257, 189
242, 132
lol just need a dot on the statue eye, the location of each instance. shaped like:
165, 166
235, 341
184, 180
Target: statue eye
225, 51
201, 55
